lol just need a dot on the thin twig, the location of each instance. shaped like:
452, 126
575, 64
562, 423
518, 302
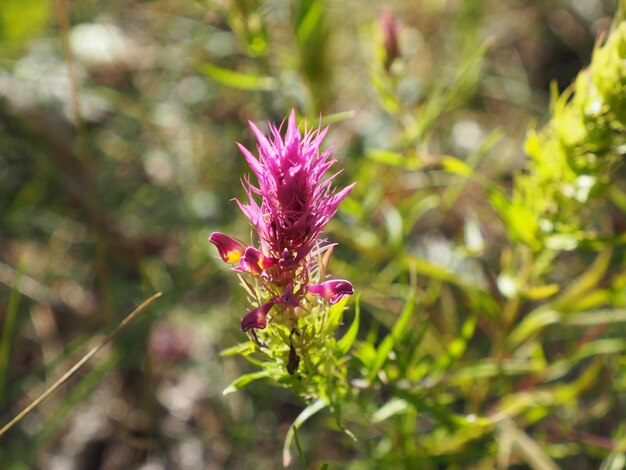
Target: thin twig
110, 337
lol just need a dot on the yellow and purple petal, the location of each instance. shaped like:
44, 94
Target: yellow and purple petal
230, 250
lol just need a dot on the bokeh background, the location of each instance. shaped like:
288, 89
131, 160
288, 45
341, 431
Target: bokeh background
118, 123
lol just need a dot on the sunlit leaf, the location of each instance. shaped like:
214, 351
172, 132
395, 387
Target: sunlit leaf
309, 411
238, 80
346, 342
397, 332
244, 380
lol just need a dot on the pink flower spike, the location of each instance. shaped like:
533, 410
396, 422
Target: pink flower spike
230, 250
332, 291
293, 201
256, 318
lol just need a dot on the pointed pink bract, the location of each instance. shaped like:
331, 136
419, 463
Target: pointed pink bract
296, 201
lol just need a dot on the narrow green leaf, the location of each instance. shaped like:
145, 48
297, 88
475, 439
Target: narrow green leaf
337, 117
346, 342
310, 22
391, 408
540, 292
596, 317
426, 268
244, 380
336, 313
309, 411
456, 166
237, 80
387, 157
419, 205
237, 349
532, 324
584, 283
526, 447
299, 447
601, 347
393, 337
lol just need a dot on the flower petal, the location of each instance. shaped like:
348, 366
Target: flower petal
256, 318
230, 250
333, 291
253, 261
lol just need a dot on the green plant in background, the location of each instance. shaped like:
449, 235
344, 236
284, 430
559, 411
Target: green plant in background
573, 157
541, 362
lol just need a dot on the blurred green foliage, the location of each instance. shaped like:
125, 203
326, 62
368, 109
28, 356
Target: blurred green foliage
21, 20
491, 285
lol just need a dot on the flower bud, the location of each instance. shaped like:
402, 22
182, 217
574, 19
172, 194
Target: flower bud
389, 30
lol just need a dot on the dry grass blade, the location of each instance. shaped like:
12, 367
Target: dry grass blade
110, 337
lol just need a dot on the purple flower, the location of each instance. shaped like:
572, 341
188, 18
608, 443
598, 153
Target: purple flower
296, 201
253, 262
230, 250
256, 318
332, 291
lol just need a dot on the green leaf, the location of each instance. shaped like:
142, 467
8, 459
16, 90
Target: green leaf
596, 317
309, 411
426, 268
240, 81
299, 447
335, 314
526, 447
456, 166
387, 157
541, 292
391, 408
419, 205
532, 324
569, 299
346, 342
393, 337
310, 21
237, 349
337, 117
244, 380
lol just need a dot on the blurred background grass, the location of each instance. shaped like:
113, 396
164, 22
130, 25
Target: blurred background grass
117, 160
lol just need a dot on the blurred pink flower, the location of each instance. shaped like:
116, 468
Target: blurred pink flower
390, 30
168, 343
